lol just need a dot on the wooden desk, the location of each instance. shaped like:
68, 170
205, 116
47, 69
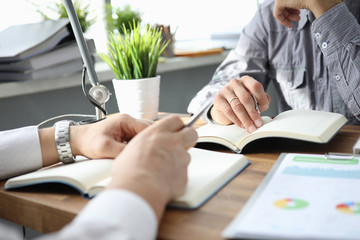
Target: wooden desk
45, 209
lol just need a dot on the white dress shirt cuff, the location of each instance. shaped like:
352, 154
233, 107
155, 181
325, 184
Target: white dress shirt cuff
121, 212
20, 151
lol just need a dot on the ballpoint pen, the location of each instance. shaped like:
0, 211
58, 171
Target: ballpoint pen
197, 115
256, 104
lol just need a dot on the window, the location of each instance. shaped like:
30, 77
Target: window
17, 12
193, 19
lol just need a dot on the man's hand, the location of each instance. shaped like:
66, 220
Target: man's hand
107, 138
104, 139
287, 11
154, 163
235, 103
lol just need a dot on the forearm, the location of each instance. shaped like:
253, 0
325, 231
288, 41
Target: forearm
48, 146
319, 7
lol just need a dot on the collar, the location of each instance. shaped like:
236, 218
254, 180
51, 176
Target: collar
305, 16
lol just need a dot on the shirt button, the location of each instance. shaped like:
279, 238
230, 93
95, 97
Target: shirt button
321, 80
337, 77
324, 45
317, 35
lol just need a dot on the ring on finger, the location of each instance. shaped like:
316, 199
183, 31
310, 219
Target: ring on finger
232, 99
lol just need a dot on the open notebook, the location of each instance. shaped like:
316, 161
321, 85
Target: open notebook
208, 172
306, 125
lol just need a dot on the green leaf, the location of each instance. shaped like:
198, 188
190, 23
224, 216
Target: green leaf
135, 54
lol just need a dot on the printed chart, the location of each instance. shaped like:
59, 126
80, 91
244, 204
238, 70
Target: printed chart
291, 204
322, 167
303, 197
349, 207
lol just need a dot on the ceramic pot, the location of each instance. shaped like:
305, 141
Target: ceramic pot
138, 97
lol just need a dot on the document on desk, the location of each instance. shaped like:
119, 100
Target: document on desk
303, 197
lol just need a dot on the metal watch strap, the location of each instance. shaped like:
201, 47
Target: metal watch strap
62, 140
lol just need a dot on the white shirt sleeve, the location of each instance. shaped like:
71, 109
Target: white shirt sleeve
113, 214
20, 151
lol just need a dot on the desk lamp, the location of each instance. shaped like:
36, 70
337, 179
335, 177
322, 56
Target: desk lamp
98, 94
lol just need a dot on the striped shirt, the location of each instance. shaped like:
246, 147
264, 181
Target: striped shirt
313, 65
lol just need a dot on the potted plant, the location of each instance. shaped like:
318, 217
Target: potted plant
133, 57
82, 11
118, 17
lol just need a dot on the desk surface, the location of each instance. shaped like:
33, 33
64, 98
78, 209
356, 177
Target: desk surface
46, 209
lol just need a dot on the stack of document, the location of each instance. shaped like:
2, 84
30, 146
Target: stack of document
41, 50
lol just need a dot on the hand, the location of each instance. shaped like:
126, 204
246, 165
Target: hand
107, 138
235, 104
286, 11
154, 163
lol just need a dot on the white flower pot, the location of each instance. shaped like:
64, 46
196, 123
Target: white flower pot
138, 97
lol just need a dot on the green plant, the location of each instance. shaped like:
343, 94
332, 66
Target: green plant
60, 10
118, 17
136, 54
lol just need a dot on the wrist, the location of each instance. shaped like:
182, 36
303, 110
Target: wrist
74, 139
48, 147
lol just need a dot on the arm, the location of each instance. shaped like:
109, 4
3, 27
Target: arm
243, 72
339, 42
28, 149
142, 184
104, 139
337, 33
286, 11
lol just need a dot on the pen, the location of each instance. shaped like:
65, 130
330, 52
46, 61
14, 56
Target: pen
197, 115
256, 104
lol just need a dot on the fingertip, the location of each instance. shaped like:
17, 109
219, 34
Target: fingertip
264, 103
190, 134
251, 129
258, 122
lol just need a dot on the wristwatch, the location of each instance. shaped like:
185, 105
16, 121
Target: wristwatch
62, 140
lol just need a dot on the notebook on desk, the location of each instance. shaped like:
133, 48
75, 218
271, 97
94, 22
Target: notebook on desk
208, 172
